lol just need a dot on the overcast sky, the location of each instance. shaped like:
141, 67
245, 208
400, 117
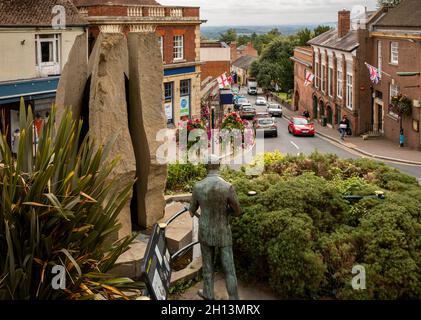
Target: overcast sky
269, 12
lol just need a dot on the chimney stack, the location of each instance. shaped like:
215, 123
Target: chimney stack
344, 22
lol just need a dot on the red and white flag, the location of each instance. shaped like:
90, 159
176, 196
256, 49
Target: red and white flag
223, 81
309, 78
230, 79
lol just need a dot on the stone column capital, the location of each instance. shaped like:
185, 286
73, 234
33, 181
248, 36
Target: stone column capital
111, 28
142, 28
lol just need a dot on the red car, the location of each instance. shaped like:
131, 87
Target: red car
300, 126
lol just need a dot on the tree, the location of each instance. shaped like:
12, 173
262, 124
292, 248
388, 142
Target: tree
387, 3
275, 66
229, 36
320, 30
243, 40
303, 36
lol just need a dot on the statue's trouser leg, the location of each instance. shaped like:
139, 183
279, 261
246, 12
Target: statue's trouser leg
227, 260
208, 254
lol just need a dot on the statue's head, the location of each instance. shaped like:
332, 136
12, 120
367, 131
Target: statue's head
213, 163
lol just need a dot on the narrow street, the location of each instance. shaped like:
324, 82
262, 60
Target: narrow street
288, 144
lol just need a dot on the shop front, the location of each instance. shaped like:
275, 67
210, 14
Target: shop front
39, 94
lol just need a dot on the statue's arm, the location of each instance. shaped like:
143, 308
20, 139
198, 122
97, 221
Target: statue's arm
194, 203
233, 202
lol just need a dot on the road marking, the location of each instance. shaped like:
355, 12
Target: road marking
295, 145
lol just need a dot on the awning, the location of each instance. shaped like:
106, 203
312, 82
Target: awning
33, 89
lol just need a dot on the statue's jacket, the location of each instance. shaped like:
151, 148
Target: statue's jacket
217, 200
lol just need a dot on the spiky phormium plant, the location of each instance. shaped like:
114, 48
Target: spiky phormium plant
58, 207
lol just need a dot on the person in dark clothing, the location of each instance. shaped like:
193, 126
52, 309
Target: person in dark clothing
306, 114
344, 126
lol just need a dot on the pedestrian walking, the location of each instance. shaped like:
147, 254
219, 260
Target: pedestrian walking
344, 126
306, 114
15, 143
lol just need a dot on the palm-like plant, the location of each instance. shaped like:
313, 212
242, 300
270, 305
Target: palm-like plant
58, 207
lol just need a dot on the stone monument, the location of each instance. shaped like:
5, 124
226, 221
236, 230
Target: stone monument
118, 90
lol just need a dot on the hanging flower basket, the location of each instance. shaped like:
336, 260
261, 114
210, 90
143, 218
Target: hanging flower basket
231, 122
401, 105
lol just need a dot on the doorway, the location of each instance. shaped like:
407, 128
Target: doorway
329, 115
315, 109
296, 101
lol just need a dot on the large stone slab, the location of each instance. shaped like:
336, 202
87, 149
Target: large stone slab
147, 117
73, 79
179, 232
108, 112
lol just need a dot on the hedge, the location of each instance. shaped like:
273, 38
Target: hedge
301, 237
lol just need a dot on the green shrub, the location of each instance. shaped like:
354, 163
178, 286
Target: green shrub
302, 238
182, 177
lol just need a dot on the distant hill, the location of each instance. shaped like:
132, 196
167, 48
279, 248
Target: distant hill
213, 33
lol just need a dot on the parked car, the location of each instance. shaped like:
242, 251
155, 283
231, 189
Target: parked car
275, 110
268, 125
239, 101
247, 111
260, 101
301, 126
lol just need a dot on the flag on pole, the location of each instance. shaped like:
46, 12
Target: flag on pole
374, 73
309, 78
223, 81
230, 79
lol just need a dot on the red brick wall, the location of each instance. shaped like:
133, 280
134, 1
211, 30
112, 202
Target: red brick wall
191, 12
233, 49
409, 60
302, 95
107, 11
214, 69
344, 22
168, 32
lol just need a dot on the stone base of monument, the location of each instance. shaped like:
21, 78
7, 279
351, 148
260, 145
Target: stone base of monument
179, 234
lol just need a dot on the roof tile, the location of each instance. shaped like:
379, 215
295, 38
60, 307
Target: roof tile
36, 13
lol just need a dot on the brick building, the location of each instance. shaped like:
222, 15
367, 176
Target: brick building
216, 58
241, 68
303, 64
33, 52
178, 31
341, 84
396, 37
247, 50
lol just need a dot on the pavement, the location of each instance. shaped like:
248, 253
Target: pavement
378, 147
246, 291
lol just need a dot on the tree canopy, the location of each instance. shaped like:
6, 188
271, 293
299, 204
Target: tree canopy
274, 66
229, 36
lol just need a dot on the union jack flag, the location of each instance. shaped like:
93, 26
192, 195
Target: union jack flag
374, 74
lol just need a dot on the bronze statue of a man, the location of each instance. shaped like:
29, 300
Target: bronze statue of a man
217, 200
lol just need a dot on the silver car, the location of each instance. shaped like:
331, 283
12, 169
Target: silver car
275, 110
268, 125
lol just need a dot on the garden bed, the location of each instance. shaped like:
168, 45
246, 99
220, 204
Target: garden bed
301, 237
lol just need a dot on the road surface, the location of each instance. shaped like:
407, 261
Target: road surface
288, 144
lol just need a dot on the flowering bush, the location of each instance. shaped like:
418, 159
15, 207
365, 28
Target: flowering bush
233, 121
205, 113
401, 105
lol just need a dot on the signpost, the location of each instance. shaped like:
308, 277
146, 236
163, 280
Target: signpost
156, 265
